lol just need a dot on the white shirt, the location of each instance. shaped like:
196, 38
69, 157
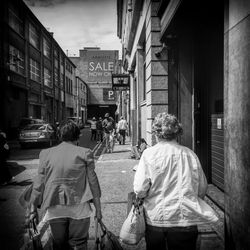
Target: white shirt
122, 124
93, 124
170, 178
77, 212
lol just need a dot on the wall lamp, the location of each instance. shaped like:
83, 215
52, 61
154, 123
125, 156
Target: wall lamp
130, 6
164, 47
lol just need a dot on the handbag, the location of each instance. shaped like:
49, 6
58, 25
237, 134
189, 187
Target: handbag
45, 234
24, 198
133, 228
32, 240
107, 240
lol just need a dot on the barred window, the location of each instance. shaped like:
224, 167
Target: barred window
15, 22
17, 63
47, 77
35, 72
33, 36
46, 48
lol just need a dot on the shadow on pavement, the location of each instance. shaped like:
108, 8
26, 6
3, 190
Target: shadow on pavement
21, 183
15, 168
120, 151
16, 184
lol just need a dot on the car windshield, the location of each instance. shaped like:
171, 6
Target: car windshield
35, 127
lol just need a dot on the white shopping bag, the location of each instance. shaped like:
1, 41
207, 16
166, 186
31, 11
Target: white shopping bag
133, 228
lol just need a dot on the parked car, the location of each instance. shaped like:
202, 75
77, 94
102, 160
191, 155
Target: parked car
77, 120
26, 121
38, 133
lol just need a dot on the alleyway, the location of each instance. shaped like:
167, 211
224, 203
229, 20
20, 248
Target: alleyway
115, 173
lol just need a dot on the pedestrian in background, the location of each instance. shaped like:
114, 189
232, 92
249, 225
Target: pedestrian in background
99, 129
171, 182
93, 129
64, 187
136, 151
122, 127
108, 125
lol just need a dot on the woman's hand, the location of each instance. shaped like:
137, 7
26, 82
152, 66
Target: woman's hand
33, 215
98, 214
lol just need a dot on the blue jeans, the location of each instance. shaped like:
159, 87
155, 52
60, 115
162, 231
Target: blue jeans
175, 238
69, 233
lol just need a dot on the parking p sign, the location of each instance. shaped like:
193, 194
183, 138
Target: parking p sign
109, 95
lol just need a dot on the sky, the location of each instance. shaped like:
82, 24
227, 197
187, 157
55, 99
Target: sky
79, 23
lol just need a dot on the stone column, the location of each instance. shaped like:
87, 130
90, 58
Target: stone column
133, 111
237, 124
156, 70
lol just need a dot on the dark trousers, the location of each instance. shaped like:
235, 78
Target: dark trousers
176, 238
93, 134
99, 135
122, 132
69, 233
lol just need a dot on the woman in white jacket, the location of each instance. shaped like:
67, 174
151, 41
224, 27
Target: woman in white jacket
171, 181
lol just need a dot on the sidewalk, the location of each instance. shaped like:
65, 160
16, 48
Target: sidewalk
115, 173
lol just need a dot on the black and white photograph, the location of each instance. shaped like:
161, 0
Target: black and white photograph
125, 125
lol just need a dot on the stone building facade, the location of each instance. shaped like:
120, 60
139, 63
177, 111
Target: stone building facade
192, 60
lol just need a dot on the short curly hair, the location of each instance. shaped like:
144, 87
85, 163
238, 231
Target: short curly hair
167, 126
69, 131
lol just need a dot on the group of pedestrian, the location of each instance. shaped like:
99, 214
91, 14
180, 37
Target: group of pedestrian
108, 129
96, 129
169, 181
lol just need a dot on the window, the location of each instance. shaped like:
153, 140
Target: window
56, 63
35, 73
56, 77
47, 77
46, 47
66, 84
33, 36
62, 80
16, 60
56, 53
15, 22
62, 62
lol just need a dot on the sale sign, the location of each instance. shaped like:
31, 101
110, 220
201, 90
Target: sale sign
99, 64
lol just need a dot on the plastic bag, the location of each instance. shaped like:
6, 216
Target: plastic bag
133, 228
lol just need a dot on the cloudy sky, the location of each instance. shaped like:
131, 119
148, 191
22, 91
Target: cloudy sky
79, 23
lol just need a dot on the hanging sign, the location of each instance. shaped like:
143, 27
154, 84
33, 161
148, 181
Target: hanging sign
120, 81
